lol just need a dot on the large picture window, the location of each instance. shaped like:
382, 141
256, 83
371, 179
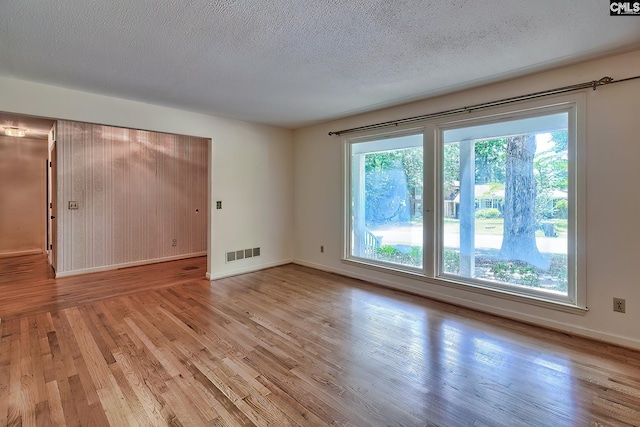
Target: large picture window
500, 207
505, 195
386, 201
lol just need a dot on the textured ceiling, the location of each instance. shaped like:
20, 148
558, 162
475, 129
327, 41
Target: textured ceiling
296, 62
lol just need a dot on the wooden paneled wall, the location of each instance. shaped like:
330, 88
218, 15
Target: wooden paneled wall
136, 192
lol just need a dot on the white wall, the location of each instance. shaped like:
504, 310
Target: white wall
251, 166
22, 195
613, 202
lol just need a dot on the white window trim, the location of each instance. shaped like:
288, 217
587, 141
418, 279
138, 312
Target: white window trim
576, 302
381, 145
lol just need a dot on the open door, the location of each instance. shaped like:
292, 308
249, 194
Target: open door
52, 227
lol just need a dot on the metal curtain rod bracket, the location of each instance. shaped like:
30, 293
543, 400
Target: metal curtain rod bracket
592, 84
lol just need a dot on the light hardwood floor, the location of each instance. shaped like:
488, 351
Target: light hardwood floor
160, 345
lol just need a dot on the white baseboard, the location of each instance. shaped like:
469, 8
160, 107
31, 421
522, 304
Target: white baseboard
126, 265
249, 269
20, 253
485, 308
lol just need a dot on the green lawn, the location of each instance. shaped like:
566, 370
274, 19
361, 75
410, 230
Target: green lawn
495, 226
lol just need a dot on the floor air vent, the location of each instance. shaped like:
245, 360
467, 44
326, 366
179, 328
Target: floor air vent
242, 254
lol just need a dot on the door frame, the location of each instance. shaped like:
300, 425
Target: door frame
52, 228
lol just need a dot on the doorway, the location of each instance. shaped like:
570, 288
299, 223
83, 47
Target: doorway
23, 184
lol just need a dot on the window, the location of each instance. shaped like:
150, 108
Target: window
504, 190
509, 183
385, 201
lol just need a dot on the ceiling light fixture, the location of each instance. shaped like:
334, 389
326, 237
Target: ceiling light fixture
15, 132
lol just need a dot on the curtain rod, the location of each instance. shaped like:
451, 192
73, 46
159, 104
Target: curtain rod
592, 84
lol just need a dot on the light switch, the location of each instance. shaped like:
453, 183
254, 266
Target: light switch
73, 205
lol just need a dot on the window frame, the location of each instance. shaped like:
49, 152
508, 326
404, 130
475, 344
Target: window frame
571, 298
347, 211
575, 301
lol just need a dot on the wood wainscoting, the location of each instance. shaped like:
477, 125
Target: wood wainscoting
161, 345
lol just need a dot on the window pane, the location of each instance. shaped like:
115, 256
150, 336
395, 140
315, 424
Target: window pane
505, 203
386, 200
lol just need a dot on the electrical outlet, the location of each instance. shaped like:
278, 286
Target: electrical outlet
321, 249
619, 305
174, 242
